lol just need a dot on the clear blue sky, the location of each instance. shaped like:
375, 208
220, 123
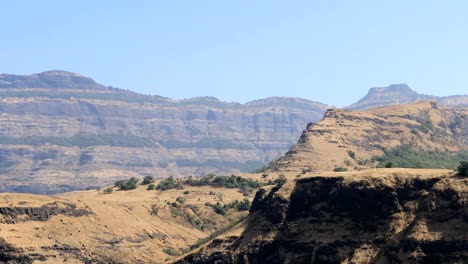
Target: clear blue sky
328, 51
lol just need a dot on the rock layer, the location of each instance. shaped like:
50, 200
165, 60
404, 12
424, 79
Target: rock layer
61, 131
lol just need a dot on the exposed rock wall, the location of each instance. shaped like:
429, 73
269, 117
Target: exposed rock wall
340, 220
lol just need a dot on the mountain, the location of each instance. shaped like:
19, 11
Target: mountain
403, 94
349, 140
302, 212
62, 131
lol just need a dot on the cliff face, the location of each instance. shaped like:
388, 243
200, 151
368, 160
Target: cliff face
61, 131
403, 94
365, 219
327, 144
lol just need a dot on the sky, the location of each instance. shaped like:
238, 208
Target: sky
328, 51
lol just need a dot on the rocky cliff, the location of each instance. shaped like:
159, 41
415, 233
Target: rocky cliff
61, 131
388, 218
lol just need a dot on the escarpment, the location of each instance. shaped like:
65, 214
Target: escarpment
365, 219
65, 126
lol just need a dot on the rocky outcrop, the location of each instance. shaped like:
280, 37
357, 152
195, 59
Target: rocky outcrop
393, 219
87, 135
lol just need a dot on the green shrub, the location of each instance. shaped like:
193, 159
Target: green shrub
171, 251
181, 200
108, 190
129, 184
244, 205
232, 181
219, 209
150, 187
340, 169
186, 192
169, 183
351, 154
147, 180
281, 180
462, 169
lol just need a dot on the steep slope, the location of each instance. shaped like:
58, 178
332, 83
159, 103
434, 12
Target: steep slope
386, 216
403, 94
61, 131
349, 139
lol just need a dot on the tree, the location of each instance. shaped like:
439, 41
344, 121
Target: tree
463, 169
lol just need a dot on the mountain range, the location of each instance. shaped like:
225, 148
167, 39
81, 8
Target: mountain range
62, 131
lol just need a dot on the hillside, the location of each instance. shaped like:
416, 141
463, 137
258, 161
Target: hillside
134, 226
62, 131
376, 216
350, 140
403, 94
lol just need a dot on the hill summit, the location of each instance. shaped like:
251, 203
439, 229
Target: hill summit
49, 79
402, 94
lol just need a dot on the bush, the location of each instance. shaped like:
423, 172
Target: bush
244, 205
147, 180
151, 187
169, 183
219, 209
351, 154
281, 180
108, 190
339, 169
129, 184
181, 200
232, 181
171, 251
462, 169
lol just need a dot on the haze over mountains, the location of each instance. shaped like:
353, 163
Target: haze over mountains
63, 131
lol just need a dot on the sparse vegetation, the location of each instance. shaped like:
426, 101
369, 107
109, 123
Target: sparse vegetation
406, 156
232, 181
116, 140
351, 154
270, 166
150, 187
218, 232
